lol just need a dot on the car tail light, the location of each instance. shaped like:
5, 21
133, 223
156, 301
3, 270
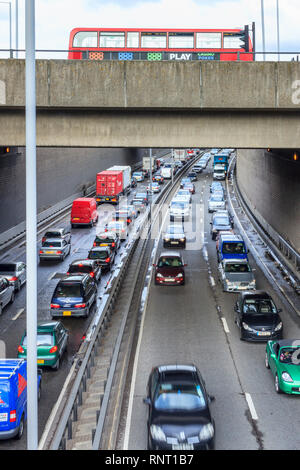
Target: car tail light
59, 252
128, 221
13, 416
92, 274
14, 278
80, 305
94, 244
43, 239
107, 260
113, 244
54, 306
20, 349
41, 252
53, 350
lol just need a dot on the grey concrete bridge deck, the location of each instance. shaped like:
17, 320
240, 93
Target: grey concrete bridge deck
154, 104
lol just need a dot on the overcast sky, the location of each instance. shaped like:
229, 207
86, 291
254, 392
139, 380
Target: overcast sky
56, 18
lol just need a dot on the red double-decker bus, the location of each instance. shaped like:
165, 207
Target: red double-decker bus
160, 44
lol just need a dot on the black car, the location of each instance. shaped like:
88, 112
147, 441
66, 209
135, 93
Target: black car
74, 296
174, 236
60, 232
193, 176
110, 239
133, 183
179, 412
257, 317
103, 255
85, 266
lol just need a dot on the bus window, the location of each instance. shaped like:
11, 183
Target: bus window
232, 41
155, 40
132, 39
181, 40
112, 39
85, 39
209, 40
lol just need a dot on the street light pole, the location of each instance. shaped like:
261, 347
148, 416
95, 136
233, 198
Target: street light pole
31, 228
263, 29
278, 33
10, 37
17, 27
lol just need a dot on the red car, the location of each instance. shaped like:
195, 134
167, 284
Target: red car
169, 269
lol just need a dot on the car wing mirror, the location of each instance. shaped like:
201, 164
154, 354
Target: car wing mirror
147, 401
211, 398
279, 310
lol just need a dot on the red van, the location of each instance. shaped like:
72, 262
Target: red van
84, 211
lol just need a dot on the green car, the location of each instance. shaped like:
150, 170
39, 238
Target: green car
283, 358
52, 341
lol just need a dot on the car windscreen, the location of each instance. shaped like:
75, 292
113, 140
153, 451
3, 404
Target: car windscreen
51, 244
290, 356
170, 262
217, 198
42, 339
98, 254
221, 221
7, 268
77, 268
259, 306
178, 205
185, 397
233, 248
104, 240
68, 290
219, 171
237, 268
140, 195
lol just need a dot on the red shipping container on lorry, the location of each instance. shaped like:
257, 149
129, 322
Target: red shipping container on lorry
109, 186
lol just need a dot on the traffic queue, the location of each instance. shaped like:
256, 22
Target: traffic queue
177, 387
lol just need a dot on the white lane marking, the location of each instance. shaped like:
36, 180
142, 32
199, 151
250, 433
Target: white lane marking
52, 276
18, 314
251, 406
225, 326
212, 281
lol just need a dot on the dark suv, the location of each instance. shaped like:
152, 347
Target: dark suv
74, 296
169, 269
85, 266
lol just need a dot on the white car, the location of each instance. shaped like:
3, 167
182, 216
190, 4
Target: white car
155, 188
179, 210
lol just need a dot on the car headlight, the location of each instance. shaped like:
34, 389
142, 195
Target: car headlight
179, 275
252, 283
286, 377
157, 433
159, 275
207, 432
167, 239
247, 327
279, 326
182, 239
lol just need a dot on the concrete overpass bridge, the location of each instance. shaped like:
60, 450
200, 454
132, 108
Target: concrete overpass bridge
163, 105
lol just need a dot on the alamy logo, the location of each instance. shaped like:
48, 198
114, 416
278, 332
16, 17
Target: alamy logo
296, 93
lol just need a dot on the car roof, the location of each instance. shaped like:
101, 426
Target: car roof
235, 260
55, 229
9, 264
258, 294
177, 368
48, 326
82, 261
54, 240
73, 278
107, 234
170, 253
100, 248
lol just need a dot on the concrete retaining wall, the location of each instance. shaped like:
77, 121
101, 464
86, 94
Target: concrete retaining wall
271, 189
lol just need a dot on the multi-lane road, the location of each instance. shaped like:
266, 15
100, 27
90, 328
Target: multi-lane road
194, 323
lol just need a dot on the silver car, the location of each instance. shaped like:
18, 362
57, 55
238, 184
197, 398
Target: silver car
54, 249
15, 273
236, 275
216, 202
7, 293
179, 210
